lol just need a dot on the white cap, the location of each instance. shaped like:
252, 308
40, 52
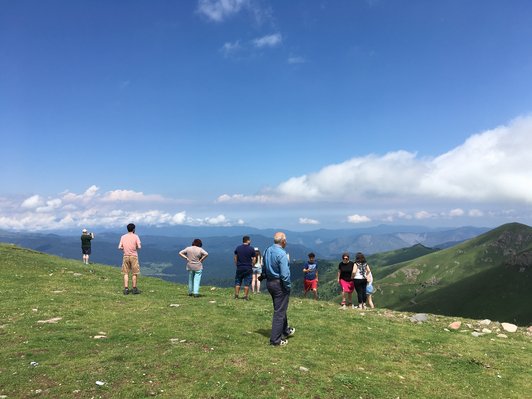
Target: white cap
256, 248
84, 230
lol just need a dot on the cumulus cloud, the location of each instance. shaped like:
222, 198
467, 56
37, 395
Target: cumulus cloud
91, 208
489, 167
50, 205
218, 220
358, 219
129, 195
268, 41
308, 221
89, 194
423, 215
32, 202
456, 212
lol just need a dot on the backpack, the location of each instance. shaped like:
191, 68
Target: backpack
362, 268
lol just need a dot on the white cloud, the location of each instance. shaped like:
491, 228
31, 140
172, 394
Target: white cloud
51, 205
179, 218
490, 167
88, 195
456, 212
240, 198
218, 220
92, 208
308, 221
296, 60
220, 10
475, 213
393, 216
423, 215
229, 49
129, 195
32, 202
358, 219
268, 41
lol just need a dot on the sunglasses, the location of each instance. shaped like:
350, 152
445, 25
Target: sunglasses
345, 258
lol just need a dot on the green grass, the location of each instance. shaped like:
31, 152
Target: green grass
222, 348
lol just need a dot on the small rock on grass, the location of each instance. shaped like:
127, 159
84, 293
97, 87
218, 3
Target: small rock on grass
301, 368
509, 327
485, 322
502, 336
419, 318
50, 321
476, 334
455, 325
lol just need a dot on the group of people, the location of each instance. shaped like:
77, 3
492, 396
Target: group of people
355, 276
252, 267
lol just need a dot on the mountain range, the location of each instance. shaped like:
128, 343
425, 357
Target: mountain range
489, 276
160, 245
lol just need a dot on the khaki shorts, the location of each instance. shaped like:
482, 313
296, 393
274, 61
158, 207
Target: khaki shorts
130, 264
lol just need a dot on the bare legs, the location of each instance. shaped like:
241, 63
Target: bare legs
255, 284
370, 301
346, 295
126, 280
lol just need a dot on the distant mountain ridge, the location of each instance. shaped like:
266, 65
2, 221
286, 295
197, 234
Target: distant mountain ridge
159, 253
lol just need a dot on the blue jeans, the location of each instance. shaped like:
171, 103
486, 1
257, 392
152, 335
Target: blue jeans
280, 297
194, 279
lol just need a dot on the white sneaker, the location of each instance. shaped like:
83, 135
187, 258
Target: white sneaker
291, 332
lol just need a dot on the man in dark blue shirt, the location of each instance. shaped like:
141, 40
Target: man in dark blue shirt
244, 260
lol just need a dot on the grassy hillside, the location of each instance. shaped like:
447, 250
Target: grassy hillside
216, 347
487, 277
382, 264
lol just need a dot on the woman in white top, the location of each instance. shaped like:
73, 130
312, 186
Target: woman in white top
361, 271
257, 270
194, 255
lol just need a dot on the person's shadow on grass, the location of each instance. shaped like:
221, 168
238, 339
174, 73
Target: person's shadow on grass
264, 332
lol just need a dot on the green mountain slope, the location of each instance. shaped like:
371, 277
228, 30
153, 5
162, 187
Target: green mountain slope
487, 277
65, 326
382, 264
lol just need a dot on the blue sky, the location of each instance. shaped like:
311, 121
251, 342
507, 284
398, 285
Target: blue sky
299, 114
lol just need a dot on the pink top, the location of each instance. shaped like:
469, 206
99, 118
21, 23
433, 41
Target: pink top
129, 243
